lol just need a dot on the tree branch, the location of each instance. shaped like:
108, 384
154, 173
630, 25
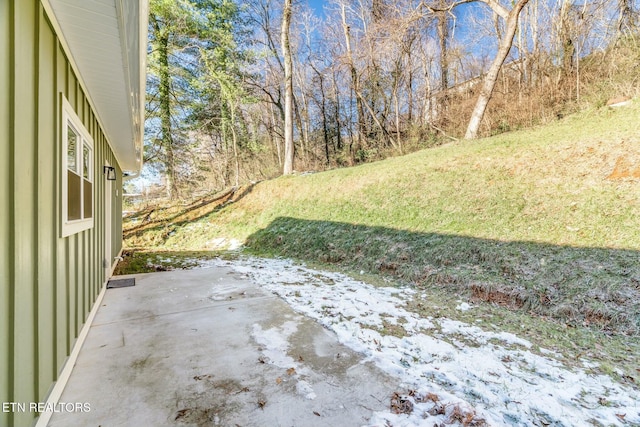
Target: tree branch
493, 4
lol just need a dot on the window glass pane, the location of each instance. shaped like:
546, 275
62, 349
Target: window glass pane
86, 161
72, 149
88, 205
73, 201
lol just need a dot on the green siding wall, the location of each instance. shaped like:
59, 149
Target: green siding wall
48, 284
6, 134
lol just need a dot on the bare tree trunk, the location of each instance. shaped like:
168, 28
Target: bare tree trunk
355, 85
377, 121
410, 89
301, 113
302, 124
443, 38
377, 10
325, 128
398, 130
323, 111
533, 57
577, 49
275, 139
336, 94
491, 77
625, 18
568, 48
288, 89
234, 138
427, 114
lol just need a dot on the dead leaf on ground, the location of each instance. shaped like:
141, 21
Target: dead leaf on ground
466, 418
316, 413
401, 404
202, 377
278, 380
430, 397
182, 413
291, 371
438, 409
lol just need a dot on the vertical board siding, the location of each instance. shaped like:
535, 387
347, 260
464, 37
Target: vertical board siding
62, 289
86, 279
24, 187
47, 218
6, 310
72, 280
48, 284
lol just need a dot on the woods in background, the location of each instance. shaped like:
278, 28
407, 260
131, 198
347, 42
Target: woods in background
243, 91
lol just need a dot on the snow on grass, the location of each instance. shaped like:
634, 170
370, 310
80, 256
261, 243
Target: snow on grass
455, 372
464, 306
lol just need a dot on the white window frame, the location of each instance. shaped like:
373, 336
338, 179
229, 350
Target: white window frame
70, 118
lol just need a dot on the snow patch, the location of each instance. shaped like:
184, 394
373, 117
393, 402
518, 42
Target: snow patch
222, 243
464, 306
493, 375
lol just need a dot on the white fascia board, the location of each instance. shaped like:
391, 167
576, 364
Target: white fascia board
105, 41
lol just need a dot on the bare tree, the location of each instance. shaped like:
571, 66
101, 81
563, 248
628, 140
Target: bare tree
355, 79
566, 40
370, 77
288, 89
443, 38
511, 17
625, 21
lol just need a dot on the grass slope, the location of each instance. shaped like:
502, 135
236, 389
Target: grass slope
543, 221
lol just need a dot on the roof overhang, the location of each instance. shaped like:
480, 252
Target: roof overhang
106, 41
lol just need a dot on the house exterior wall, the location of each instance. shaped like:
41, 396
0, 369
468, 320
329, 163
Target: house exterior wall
48, 283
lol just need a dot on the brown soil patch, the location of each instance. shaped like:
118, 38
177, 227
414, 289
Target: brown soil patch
624, 168
602, 320
496, 296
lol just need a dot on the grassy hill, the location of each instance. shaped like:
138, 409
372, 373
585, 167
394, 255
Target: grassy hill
539, 224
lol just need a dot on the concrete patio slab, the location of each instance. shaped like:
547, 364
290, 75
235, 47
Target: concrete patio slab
207, 347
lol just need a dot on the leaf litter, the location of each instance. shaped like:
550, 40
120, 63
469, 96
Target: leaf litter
455, 373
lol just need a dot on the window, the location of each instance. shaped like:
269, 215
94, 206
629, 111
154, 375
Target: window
77, 173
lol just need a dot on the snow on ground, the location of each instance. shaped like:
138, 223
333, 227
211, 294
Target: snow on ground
276, 342
452, 372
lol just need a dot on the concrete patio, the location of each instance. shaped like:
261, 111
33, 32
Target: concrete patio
207, 347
